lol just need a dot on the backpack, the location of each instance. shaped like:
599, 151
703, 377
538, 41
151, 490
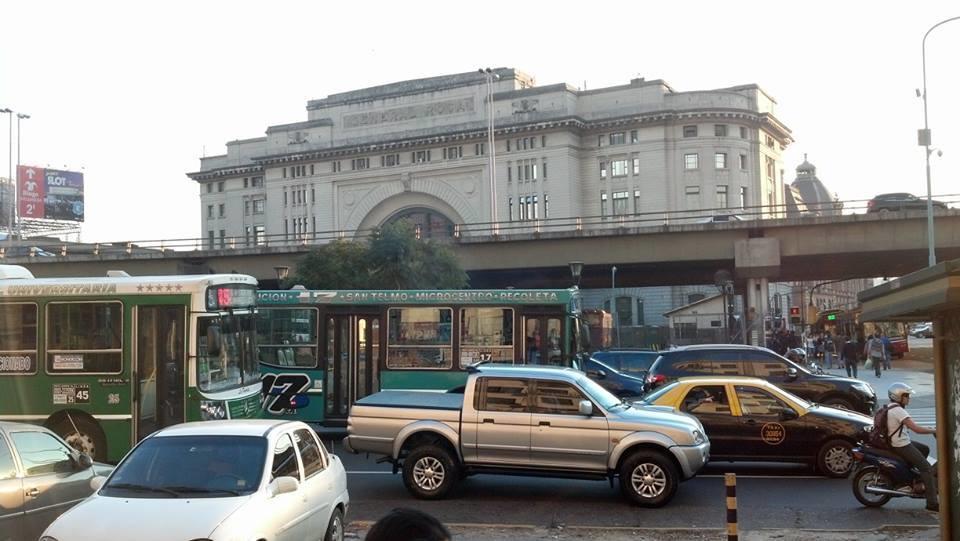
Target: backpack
877, 435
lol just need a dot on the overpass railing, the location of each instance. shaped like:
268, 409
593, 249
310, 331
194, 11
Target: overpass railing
614, 219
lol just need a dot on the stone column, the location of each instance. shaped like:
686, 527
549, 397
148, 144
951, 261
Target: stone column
757, 260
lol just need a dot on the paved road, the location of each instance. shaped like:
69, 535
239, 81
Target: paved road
770, 496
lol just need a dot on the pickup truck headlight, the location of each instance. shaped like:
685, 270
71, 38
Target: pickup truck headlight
213, 410
698, 437
863, 388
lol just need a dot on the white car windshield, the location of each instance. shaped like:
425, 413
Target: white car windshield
190, 467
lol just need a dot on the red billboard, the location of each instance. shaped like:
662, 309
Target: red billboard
50, 194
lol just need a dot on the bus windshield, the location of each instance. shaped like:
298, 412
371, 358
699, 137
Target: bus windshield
236, 364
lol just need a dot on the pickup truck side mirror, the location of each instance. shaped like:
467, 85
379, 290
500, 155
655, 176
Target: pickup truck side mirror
83, 461
586, 408
597, 374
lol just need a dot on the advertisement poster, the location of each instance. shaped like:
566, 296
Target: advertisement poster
50, 194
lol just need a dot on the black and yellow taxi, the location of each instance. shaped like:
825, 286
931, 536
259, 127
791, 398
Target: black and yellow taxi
750, 419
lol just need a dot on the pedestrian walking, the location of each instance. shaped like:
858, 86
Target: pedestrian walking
811, 344
849, 355
887, 350
873, 350
829, 349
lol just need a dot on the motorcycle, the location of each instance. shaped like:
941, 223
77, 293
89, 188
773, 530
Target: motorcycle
880, 475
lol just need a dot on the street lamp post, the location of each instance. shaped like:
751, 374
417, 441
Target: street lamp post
924, 140
7, 204
14, 211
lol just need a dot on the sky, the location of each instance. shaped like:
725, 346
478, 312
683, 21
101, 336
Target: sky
134, 93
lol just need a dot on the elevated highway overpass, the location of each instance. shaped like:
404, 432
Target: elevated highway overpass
536, 254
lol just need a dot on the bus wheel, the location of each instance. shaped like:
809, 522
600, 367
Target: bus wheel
83, 434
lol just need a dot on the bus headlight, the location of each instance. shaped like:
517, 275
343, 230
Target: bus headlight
213, 410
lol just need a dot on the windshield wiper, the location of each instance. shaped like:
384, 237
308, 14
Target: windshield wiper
143, 488
201, 490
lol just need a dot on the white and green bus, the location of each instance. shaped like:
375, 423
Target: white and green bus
105, 361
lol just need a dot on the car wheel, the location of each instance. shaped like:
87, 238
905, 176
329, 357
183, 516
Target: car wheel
648, 478
839, 403
835, 458
335, 528
429, 472
83, 434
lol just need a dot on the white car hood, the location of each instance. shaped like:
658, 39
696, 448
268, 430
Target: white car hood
144, 519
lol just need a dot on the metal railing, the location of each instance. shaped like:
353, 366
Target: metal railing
478, 231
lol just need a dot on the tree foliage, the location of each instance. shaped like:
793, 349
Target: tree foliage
393, 258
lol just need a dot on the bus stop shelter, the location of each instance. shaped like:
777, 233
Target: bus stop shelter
933, 294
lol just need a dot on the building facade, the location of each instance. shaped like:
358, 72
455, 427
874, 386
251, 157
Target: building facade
419, 149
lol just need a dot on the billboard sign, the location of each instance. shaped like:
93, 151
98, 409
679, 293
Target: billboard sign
50, 194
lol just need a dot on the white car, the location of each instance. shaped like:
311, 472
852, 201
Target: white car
216, 481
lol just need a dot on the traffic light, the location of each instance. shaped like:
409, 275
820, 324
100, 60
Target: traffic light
795, 315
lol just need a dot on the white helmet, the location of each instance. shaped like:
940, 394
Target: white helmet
896, 391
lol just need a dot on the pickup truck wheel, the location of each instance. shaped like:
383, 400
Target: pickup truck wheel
648, 478
429, 472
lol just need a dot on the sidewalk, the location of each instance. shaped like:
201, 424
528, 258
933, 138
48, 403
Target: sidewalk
477, 532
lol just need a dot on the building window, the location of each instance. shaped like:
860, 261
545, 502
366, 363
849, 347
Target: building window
526, 172
618, 168
694, 297
693, 197
543, 140
720, 130
640, 318
624, 312
636, 201
209, 211
769, 141
420, 156
220, 186
636, 166
284, 197
313, 195
221, 210
223, 238
360, 163
743, 197
771, 167
390, 160
720, 160
508, 145
480, 149
334, 166
620, 202
618, 138
536, 205
721, 197
603, 170
546, 206
311, 169
209, 187
689, 131
259, 206
743, 132
210, 238
691, 161
256, 182
452, 153
246, 208
259, 235
634, 137
743, 162
510, 207
603, 203
509, 172
246, 182
544, 169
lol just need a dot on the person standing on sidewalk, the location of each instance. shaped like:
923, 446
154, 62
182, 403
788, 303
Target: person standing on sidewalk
829, 349
887, 350
849, 355
874, 353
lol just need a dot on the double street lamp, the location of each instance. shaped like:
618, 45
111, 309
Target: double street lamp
9, 194
924, 141
491, 76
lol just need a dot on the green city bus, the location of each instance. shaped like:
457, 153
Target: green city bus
320, 351
106, 361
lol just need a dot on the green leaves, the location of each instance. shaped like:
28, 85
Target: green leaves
393, 258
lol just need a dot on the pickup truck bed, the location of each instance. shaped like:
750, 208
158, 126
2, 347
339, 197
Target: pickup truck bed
413, 399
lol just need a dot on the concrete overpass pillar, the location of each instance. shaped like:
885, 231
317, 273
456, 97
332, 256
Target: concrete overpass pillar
757, 260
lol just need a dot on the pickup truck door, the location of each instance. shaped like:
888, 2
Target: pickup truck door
560, 436
11, 496
503, 421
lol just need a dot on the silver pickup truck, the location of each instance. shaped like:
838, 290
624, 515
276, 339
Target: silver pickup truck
527, 420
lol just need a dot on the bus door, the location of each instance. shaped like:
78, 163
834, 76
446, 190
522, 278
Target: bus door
352, 360
542, 339
159, 368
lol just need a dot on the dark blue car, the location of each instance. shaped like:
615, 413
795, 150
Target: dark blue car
613, 380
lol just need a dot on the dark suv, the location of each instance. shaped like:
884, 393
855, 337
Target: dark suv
739, 360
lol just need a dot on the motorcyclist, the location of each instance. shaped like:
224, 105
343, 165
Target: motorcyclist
912, 452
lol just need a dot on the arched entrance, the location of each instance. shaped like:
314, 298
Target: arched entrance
430, 223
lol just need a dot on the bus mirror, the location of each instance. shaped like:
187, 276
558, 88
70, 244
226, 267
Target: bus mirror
213, 340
